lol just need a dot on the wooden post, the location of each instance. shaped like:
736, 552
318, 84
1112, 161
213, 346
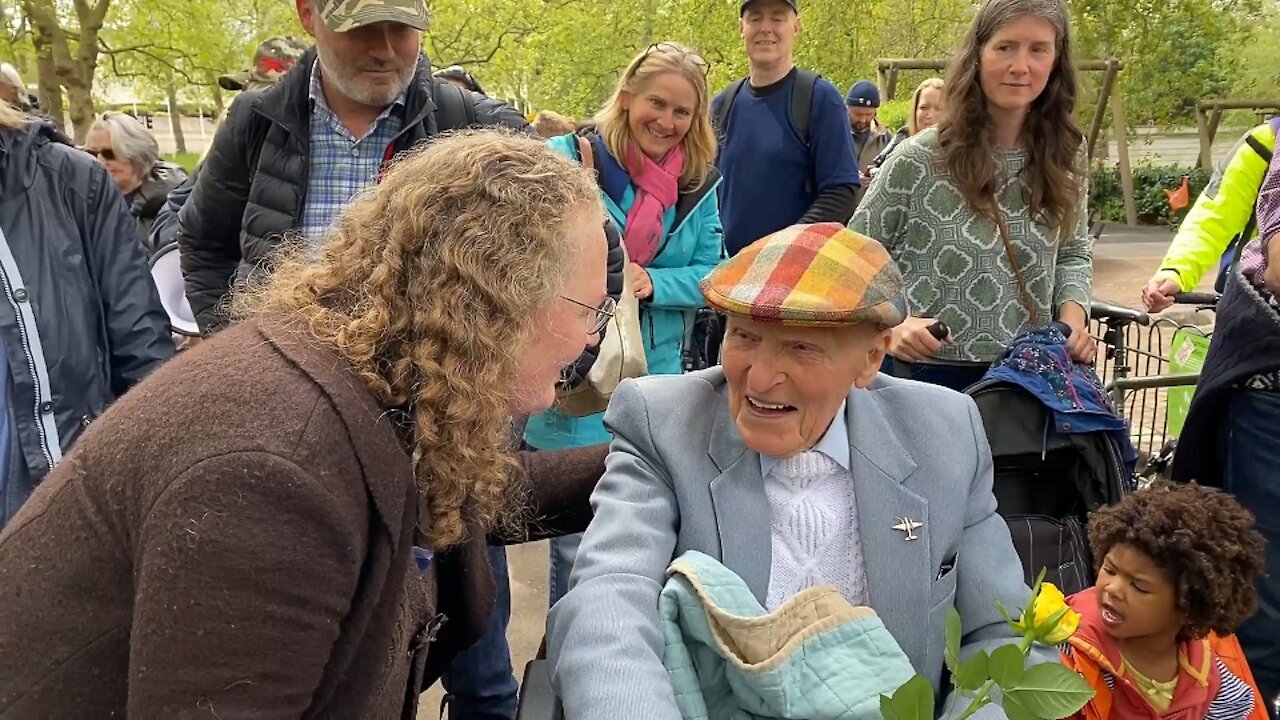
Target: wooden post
892, 88
882, 82
1108, 82
1206, 142
1122, 156
1215, 119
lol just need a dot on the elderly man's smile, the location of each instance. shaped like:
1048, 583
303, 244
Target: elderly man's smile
767, 410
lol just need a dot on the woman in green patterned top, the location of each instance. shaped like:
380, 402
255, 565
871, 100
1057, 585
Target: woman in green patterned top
986, 214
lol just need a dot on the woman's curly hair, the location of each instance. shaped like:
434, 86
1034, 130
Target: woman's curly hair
1202, 538
429, 284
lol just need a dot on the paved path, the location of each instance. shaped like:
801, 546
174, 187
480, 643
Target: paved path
1123, 260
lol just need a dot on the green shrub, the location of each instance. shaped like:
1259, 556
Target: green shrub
893, 114
1150, 182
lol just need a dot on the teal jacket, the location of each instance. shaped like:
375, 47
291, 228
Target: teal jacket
691, 247
814, 658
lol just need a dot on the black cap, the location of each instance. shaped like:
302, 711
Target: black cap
795, 5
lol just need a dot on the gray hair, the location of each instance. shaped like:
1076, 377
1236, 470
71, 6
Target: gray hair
9, 76
130, 141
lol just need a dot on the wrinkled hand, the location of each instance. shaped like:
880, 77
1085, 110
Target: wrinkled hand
912, 342
640, 281
1159, 292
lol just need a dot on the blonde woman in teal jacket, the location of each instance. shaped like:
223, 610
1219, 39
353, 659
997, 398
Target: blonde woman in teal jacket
653, 150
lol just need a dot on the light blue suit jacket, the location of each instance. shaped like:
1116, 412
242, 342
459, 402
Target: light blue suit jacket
679, 478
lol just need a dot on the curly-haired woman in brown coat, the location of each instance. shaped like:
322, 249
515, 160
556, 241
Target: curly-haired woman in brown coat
290, 520
1176, 576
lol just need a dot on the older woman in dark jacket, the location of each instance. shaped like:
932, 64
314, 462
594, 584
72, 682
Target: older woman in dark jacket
291, 519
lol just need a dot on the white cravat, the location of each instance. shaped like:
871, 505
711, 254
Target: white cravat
814, 529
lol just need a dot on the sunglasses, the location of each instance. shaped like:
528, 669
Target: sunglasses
104, 153
670, 48
604, 313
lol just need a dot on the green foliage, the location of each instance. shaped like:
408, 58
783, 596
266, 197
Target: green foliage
893, 113
1175, 53
1006, 665
912, 701
1048, 691
187, 161
1150, 182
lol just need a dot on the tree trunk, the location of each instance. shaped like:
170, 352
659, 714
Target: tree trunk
49, 91
80, 103
175, 118
74, 71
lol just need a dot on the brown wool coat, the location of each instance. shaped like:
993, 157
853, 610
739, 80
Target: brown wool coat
234, 539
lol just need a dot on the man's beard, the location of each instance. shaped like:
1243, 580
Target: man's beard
349, 82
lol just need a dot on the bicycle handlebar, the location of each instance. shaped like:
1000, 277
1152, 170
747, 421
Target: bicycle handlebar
1209, 299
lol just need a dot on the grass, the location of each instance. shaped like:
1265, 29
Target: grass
186, 160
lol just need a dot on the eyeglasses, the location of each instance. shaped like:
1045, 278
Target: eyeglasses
604, 313
104, 153
670, 48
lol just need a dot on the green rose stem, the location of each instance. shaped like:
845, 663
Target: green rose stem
980, 699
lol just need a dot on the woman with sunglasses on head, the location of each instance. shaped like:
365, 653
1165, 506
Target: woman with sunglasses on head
652, 149
986, 214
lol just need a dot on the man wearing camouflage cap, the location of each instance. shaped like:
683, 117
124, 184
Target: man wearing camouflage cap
275, 57
795, 464
289, 157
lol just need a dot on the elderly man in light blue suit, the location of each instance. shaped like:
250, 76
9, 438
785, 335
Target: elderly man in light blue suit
794, 464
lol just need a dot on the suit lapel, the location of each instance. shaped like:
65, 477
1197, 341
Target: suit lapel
899, 571
741, 507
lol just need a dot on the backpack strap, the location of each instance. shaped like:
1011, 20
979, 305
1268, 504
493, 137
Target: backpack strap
454, 109
721, 119
802, 102
687, 201
1258, 147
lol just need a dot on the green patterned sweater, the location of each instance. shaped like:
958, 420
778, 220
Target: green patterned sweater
954, 262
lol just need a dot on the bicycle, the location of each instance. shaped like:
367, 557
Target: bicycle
1140, 395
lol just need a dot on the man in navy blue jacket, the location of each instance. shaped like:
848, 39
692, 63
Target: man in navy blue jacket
776, 174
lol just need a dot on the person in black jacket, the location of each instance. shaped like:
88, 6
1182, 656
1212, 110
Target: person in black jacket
289, 157
132, 156
80, 322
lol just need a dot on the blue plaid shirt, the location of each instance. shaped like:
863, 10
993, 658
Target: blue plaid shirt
341, 164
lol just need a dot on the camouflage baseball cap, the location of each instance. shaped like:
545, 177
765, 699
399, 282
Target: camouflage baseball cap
345, 15
272, 60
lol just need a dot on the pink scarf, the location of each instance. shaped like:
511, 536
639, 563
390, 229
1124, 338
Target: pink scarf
657, 185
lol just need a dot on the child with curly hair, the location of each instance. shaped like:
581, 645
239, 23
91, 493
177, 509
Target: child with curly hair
1177, 573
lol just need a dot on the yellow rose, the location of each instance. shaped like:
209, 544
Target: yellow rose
1049, 602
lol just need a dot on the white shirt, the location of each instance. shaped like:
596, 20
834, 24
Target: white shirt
814, 520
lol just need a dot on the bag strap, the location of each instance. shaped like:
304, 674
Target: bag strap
1024, 294
721, 119
802, 102
1258, 147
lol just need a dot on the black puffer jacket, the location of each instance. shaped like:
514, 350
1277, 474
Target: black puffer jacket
79, 316
253, 182
150, 198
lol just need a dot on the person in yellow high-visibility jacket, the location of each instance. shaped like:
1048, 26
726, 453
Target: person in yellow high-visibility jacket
1222, 212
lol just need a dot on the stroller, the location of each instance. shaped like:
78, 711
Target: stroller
1053, 467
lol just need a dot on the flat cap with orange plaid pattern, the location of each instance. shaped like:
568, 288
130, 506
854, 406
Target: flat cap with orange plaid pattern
810, 275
